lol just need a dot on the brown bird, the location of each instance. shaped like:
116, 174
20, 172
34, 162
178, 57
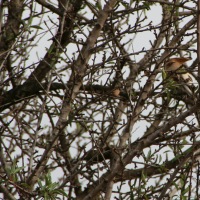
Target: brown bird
180, 76
116, 92
175, 63
183, 81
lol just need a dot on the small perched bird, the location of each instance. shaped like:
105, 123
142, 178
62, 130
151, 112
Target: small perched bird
184, 80
182, 85
175, 63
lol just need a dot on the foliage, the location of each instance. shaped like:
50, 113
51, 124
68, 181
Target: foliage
49, 189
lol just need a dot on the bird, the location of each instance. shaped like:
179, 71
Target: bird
182, 79
181, 83
175, 63
116, 92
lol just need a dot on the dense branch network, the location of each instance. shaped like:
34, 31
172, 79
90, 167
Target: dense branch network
85, 98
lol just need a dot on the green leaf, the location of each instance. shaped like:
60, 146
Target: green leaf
186, 190
36, 27
148, 155
147, 5
49, 190
160, 158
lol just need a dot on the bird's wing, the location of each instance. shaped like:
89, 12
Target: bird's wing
188, 82
169, 64
188, 79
